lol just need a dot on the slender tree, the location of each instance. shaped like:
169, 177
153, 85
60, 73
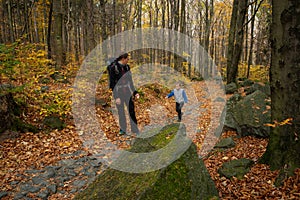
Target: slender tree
236, 36
58, 52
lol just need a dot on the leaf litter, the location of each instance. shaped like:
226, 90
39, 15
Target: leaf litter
35, 151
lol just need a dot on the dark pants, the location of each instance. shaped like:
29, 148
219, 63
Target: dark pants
122, 118
178, 110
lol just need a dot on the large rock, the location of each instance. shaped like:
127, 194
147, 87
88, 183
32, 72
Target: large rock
231, 88
230, 104
265, 88
246, 83
225, 143
235, 168
185, 178
54, 122
251, 114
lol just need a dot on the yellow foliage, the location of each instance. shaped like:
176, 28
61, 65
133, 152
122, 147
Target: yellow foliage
284, 122
25, 67
257, 72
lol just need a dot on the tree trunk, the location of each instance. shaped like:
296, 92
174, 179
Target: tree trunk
284, 147
7, 116
49, 31
103, 19
232, 32
232, 66
10, 21
250, 59
58, 37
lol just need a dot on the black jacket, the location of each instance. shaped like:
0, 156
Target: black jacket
121, 80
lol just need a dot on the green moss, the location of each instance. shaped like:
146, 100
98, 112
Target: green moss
19, 125
160, 140
185, 178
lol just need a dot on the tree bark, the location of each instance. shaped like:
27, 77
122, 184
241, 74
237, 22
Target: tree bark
232, 32
232, 66
58, 31
49, 30
284, 147
250, 58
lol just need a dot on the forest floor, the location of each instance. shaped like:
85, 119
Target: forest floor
27, 151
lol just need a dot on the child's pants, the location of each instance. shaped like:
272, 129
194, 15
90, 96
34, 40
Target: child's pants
178, 109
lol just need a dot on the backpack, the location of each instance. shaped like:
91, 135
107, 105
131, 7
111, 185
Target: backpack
112, 68
111, 65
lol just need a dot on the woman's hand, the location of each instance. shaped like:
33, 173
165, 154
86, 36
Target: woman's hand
118, 101
137, 96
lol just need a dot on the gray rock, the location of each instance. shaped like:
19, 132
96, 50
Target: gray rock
235, 168
74, 190
63, 179
96, 163
25, 187
49, 173
70, 172
231, 88
38, 180
52, 188
185, 177
44, 88
53, 167
13, 183
230, 104
68, 162
82, 160
246, 83
251, 114
54, 122
225, 143
89, 171
34, 189
44, 194
20, 195
79, 183
34, 171
265, 88
3, 194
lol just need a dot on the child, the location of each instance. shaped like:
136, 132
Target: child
180, 98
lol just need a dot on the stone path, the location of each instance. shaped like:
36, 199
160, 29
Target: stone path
66, 177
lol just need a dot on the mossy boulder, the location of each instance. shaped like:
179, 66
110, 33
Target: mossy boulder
265, 88
246, 83
225, 143
54, 122
251, 114
248, 115
184, 178
230, 104
236, 168
231, 88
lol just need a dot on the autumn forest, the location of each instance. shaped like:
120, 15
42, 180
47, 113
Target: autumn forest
237, 61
